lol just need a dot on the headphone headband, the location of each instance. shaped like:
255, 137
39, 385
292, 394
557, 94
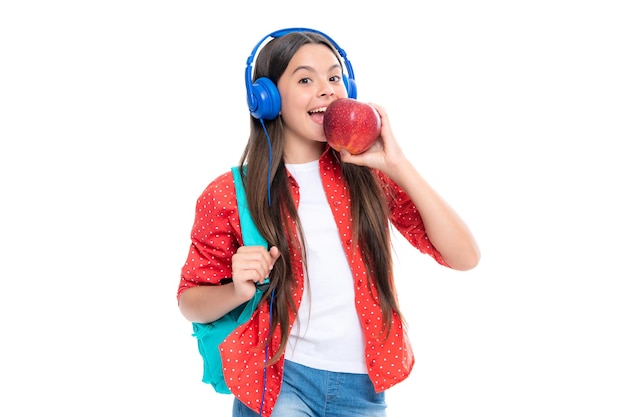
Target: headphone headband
263, 96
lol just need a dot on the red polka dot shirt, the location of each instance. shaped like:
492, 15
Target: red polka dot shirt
215, 237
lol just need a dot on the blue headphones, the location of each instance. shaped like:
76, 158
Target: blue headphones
263, 95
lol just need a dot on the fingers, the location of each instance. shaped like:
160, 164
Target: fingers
275, 254
380, 109
384, 120
253, 263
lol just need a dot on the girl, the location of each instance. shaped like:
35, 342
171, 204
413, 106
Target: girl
328, 337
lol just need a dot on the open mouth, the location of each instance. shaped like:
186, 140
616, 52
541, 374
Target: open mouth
317, 115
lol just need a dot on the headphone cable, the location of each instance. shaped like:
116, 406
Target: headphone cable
266, 356
269, 168
269, 199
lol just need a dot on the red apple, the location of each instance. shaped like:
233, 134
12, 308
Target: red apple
351, 125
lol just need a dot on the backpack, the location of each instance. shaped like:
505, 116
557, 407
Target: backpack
210, 335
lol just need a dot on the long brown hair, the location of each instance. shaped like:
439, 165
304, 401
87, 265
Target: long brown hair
369, 209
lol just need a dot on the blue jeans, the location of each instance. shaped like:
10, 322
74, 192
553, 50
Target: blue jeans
308, 392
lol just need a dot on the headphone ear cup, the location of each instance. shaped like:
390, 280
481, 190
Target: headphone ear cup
265, 99
350, 86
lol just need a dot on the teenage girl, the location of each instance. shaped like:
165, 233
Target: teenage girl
334, 339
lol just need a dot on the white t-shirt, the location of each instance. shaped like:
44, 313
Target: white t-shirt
327, 333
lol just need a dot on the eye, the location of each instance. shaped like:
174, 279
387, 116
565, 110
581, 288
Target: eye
305, 80
335, 78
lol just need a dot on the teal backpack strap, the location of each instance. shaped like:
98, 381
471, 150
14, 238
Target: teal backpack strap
249, 231
210, 335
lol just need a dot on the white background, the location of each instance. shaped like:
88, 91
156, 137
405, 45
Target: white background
115, 115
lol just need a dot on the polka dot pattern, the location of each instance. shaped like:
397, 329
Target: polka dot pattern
215, 237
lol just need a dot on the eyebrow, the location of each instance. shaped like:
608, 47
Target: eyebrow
308, 68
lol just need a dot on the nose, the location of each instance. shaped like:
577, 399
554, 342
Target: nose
327, 90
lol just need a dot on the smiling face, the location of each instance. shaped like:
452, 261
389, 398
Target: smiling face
311, 81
